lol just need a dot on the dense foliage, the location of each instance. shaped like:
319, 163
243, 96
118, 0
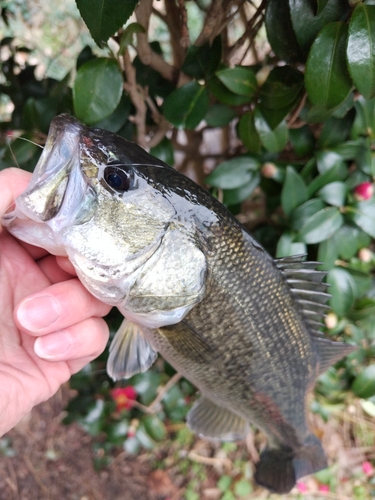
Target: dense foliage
271, 105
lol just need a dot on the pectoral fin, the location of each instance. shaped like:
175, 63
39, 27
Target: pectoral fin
212, 421
130, 352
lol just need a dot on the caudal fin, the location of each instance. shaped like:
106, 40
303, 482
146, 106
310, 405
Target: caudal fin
279, 469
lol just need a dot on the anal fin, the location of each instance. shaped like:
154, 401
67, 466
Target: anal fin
130, 352
212, 421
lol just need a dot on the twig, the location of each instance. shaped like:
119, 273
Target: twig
137, 98
171, 382
162, 123
185, 42
214, 461
296, 112
12, 481
39, 482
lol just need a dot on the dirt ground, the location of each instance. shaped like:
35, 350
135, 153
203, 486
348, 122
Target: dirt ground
53, 462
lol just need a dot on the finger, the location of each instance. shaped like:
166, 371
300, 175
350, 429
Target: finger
52, 270
65, 264
83, 341
56, 307
13, 182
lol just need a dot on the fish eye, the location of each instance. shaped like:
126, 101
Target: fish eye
118, 179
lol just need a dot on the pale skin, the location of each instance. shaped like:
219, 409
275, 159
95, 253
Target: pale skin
50, 326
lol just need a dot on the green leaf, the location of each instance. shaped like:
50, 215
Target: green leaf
334, 193
233, 173
282, 87
364, 384
302, 140
286, 246
242, 488
118, 118
128, 35
349, 240
248, 133
326, 160
164, 151
202, 62
363, 214
342, 290
361, 49
273, 140
97, 90
321, 225
294, 191
307, 22
224, 95
239, 80
155, 427
328, 253
364, 122
187, 105
235, 196
326, 78
302, 213
337, 172
104, 17
280, 31
219, 115
335, 131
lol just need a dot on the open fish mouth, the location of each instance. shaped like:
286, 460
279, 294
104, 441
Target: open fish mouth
56, 189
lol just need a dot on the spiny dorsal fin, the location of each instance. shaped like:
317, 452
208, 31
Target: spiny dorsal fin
130, 352
307, 288
212, 421
330, 352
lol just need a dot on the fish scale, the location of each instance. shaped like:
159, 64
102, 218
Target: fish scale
192, 284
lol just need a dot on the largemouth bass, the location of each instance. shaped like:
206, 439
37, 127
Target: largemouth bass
192, 284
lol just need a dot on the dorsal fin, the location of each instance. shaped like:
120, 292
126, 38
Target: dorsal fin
307, 288
330, 352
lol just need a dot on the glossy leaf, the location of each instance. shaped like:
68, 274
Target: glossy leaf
364, 122
321, 225
238, 80
363, 214
337, 172
164, 151
302, 140
335, 131
294, 191
328, 253
219, 115
273, 140
361, 49
281, 88
342, 290
287, 246
232, 174
97, 90
326, 78
104, 17
364, 384
280, 31
248, 133
187, 105
302, 213
349, 240
202, 61
118, 118
128, 35
307, 21
235, 196
334, 193
224, 95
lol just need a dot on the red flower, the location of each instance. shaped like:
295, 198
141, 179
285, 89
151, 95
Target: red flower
124, 397
368, 468
364, 191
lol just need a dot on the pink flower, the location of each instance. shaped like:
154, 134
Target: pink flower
364, 191
302, 487
368, 468
324, 488
124, 397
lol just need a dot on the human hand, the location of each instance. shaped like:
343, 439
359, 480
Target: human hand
50, 326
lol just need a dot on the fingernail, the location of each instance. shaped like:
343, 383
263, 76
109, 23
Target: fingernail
52, 345
38, 312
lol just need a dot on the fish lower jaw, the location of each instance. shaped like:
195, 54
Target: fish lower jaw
156, 319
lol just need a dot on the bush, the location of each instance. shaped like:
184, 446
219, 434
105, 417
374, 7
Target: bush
272, 107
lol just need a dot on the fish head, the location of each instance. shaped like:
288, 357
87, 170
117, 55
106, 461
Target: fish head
89, 199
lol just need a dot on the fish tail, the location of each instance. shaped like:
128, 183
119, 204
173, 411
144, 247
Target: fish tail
279, 469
